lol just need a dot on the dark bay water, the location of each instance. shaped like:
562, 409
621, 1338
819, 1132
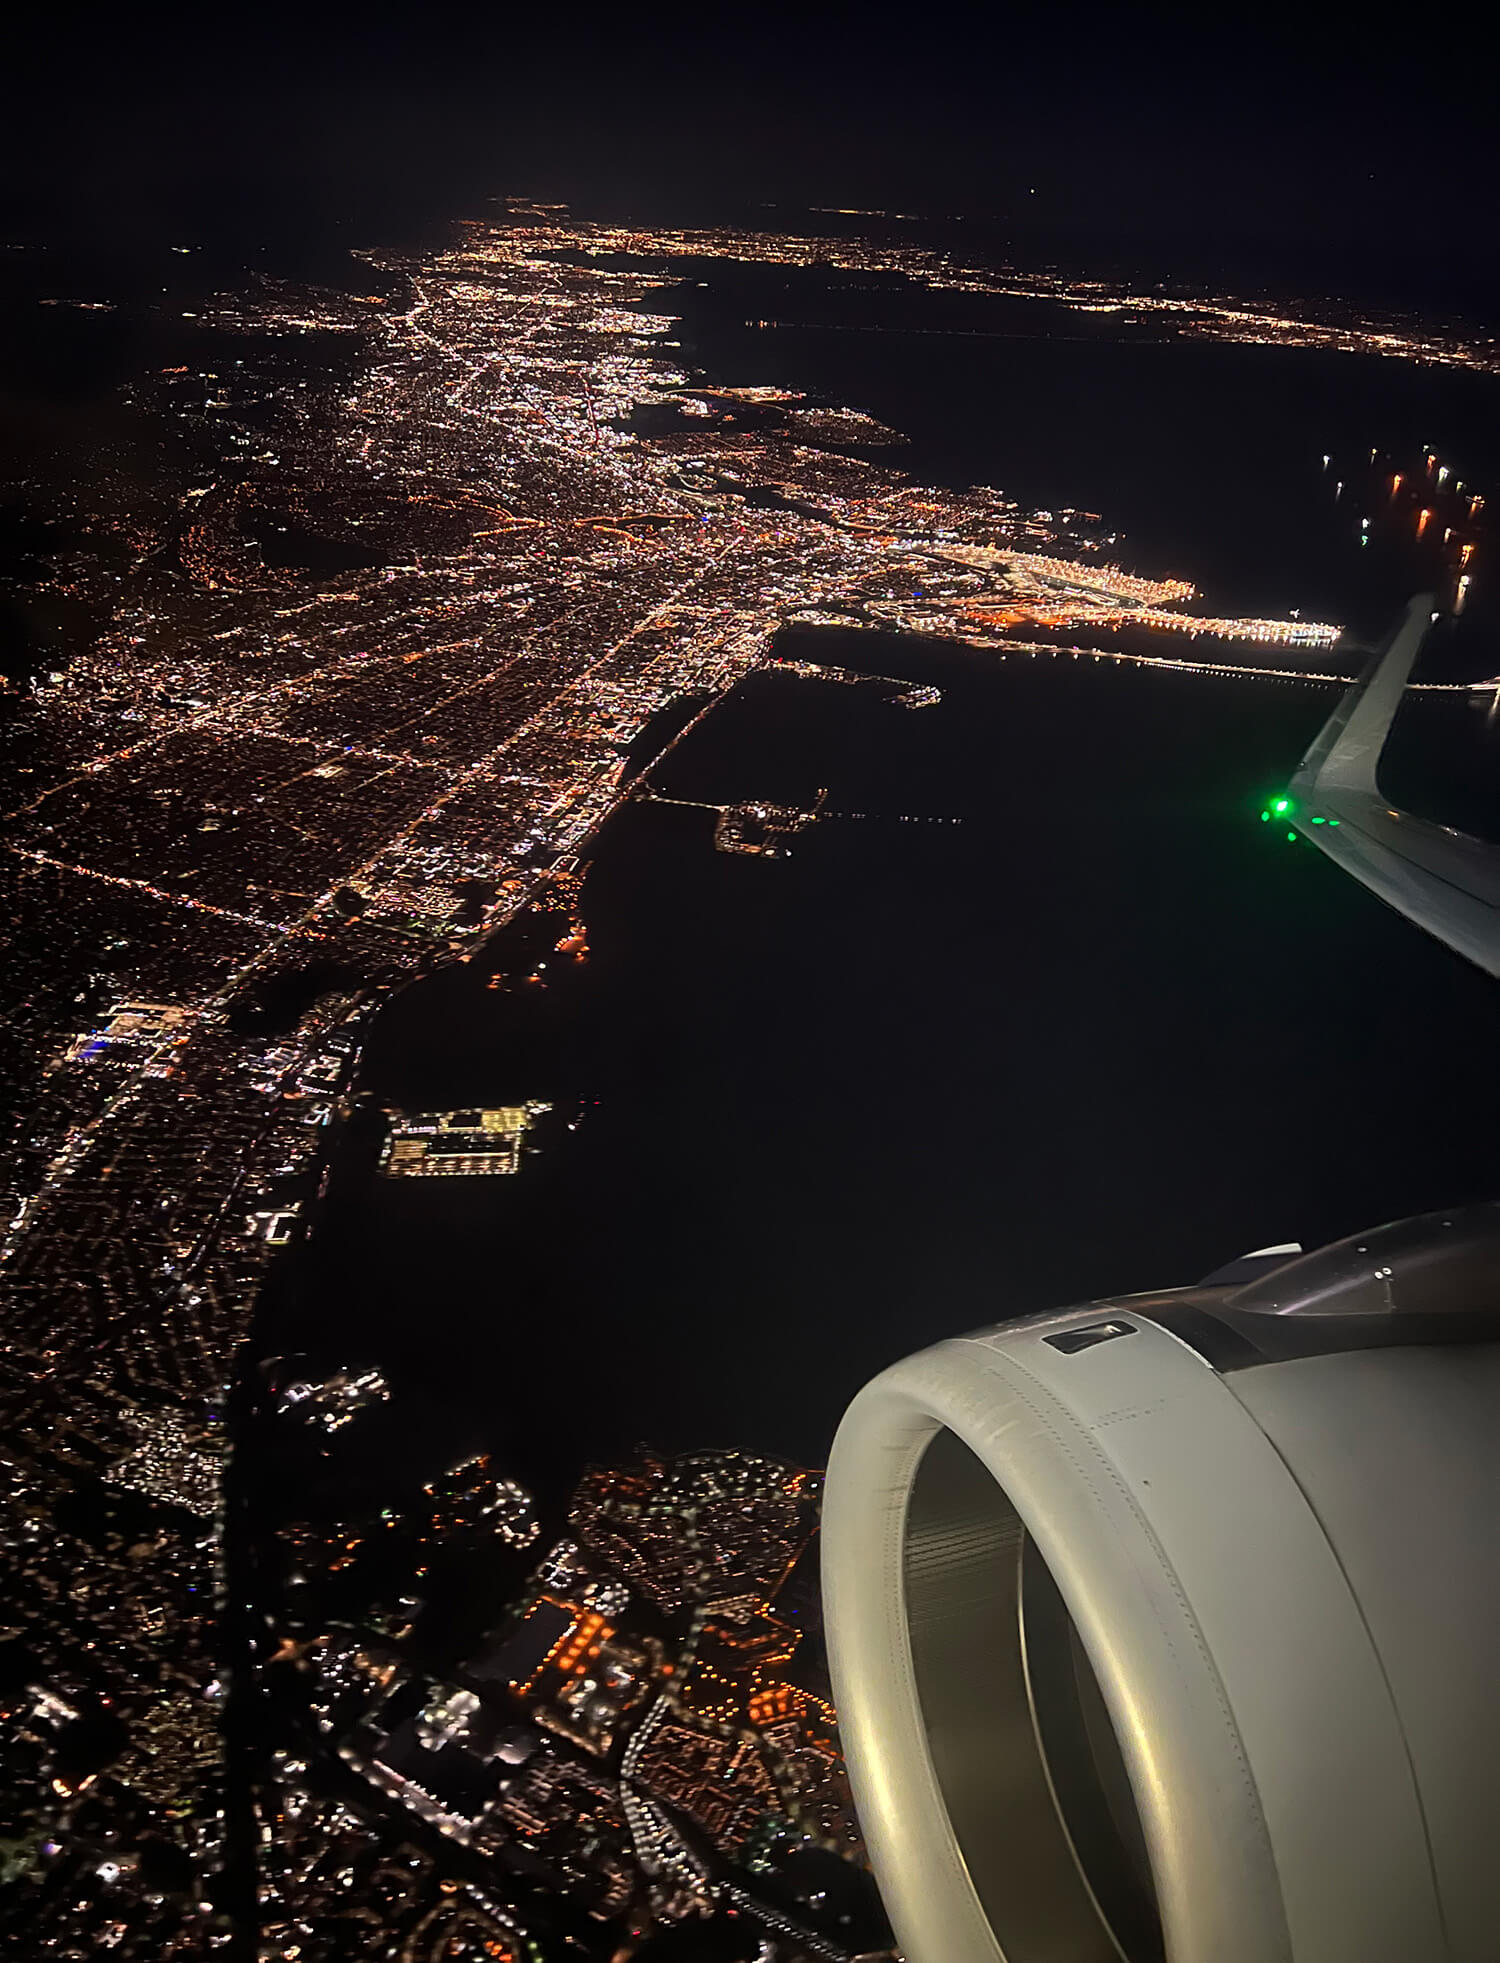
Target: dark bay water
1102, 1034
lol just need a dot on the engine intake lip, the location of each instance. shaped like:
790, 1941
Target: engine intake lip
1047, 1478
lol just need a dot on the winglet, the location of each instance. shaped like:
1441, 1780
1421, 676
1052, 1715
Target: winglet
1444, 880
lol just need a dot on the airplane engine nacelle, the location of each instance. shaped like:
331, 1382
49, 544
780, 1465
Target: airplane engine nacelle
1169, 1627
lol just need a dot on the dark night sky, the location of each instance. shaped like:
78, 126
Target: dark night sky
1263, 145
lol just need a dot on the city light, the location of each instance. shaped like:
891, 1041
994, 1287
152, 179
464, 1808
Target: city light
380, 634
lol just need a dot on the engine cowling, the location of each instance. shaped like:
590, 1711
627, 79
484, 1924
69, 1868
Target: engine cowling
1166, 1627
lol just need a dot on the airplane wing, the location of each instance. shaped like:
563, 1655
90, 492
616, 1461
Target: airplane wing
1444, 880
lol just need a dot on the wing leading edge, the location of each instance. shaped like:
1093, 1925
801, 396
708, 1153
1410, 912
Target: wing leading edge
1444, 880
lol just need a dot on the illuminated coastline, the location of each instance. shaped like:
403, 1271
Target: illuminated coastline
259, 770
